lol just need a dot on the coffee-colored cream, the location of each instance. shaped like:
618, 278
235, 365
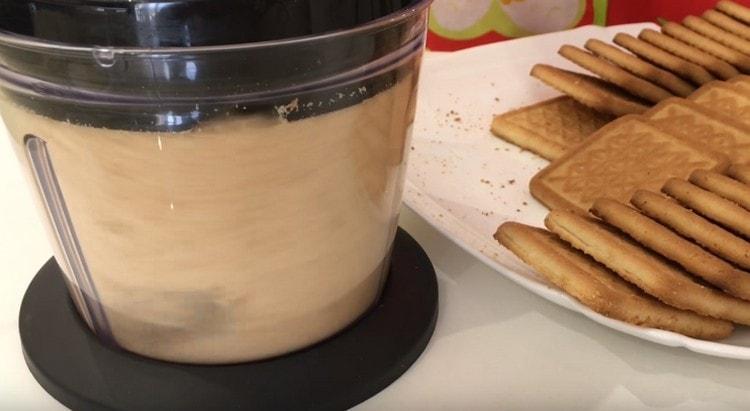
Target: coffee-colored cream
241, 239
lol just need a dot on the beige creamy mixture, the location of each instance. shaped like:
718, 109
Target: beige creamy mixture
244, 238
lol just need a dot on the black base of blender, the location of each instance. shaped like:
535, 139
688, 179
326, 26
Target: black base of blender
84, 374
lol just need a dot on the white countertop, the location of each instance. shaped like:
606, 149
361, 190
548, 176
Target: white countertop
496, 345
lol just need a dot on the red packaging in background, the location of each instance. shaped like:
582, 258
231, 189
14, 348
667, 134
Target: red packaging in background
458, 24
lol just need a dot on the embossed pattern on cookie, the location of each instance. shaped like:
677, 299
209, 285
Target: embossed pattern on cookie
549, 128
740, 84
719, 97
687, 120
620, 158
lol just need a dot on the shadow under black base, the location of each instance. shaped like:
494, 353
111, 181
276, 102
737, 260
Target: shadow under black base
84, 374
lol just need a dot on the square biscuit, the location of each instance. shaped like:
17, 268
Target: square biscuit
549, 128
626, 155
689, 121
740, 84
719, 97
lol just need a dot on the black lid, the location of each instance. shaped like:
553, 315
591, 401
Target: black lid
160, 23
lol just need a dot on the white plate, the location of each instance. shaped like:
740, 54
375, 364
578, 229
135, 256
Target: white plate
466, 182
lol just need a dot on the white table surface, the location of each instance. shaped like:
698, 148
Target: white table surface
496, 345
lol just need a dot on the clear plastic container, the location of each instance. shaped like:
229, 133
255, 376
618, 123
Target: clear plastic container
219, 204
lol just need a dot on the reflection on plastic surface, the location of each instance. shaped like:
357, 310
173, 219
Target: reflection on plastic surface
73, 264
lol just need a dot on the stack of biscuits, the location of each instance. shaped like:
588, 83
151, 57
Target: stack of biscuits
676, 260
631, 78
710, 129
678, 257
649, 184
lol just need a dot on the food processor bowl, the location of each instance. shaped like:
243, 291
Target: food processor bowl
222, 202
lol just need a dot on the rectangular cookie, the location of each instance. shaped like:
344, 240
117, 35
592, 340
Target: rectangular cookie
735, 10
710, 205
623, 156
640, 68
590, 91
714, 65
723, 186
615, 74
656, 237
726, 38
653, 274
740, 84
712, 237
599, 288
549, 128
687, 120
677, 65
727, 23
707, 44
740, 172
719, 97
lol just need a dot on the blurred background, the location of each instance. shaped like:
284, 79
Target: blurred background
458, 24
